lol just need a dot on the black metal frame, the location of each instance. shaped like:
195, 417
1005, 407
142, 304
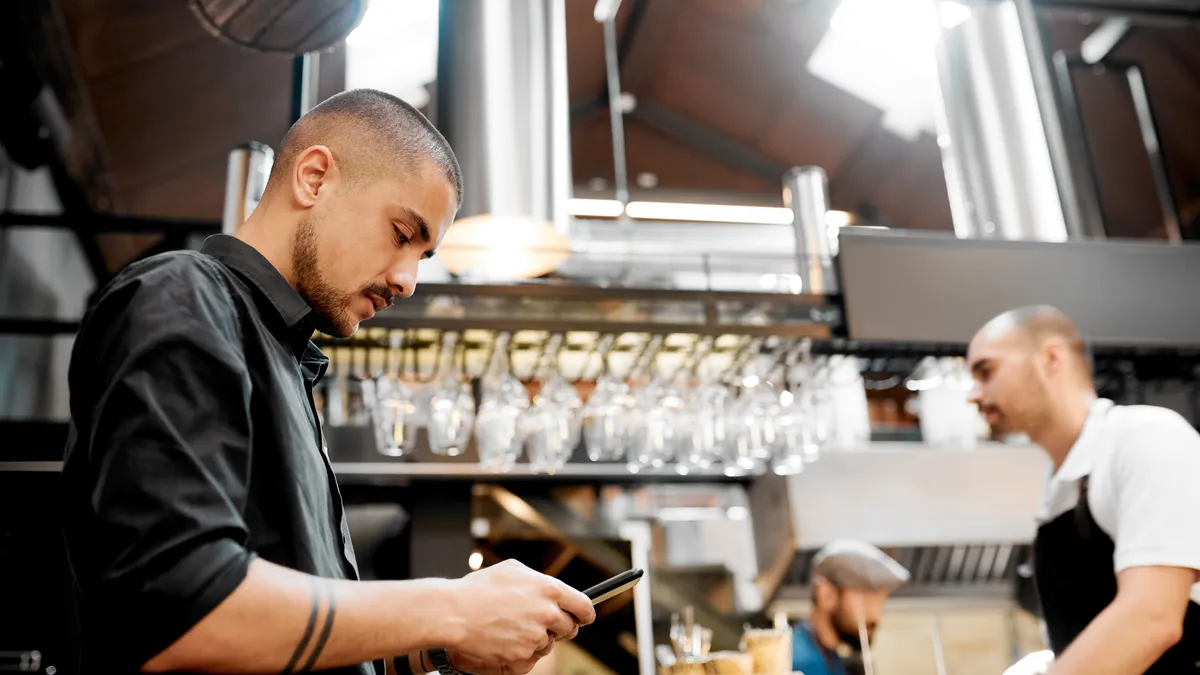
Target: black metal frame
1080, 151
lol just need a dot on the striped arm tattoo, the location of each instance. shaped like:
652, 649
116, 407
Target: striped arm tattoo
320, 592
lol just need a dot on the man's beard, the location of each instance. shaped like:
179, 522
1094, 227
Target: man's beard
330, 306
848, 632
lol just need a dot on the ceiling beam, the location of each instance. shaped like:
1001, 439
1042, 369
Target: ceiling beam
714, 143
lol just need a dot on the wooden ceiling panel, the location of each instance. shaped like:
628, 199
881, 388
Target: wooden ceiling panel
720, 80
819, 125
1119, 159
196, 192
677, 165
108, 35
916, 195
164, 113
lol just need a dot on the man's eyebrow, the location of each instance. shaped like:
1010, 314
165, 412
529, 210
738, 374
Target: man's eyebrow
979, 366
422, 228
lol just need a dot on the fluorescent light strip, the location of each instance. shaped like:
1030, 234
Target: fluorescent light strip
594, 208
709, 213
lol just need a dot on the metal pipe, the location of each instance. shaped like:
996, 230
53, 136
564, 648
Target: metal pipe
806, 193
606, 13
1001, 135
637, 533
306, 74
1158, 164
245, 181
1079, 223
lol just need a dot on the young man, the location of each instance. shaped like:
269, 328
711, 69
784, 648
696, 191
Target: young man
1118, 547
851, 581
204, 522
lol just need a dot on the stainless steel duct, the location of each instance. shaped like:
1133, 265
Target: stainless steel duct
245, 180
998, 135
806, 193
502, 104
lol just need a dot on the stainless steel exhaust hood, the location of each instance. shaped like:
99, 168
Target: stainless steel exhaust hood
502, 104
904, 496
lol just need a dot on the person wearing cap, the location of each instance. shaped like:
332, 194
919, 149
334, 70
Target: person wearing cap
1117, 552
851, 581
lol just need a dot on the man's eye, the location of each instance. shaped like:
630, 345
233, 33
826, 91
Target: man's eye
401, 239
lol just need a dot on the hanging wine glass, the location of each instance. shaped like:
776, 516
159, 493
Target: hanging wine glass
503, 400
701, 429
451, 410
756, 415
551, 425
397, 418
605, 423
650, 427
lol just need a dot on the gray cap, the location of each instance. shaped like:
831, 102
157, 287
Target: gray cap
848, 563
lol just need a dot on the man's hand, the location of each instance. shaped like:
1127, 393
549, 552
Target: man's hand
1144, 620
510, 616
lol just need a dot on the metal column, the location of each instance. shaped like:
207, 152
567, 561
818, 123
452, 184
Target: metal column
806, 193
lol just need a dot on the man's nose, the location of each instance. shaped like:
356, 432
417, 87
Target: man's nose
403, 278
976, 395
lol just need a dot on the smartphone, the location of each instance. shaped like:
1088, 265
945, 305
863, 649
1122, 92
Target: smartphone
614, 586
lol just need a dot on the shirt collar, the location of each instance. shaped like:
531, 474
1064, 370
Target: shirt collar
256, 269
1078, 462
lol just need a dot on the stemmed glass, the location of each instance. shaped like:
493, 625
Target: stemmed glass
605, 420
552, 424
451, 411
503, 400
652, 410
703, 431
397, 418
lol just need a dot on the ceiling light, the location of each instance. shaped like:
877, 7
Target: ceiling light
595, 208
710, 213
475, 561
837, 218
499, 248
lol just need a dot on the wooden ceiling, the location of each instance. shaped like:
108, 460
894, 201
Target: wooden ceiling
724, 101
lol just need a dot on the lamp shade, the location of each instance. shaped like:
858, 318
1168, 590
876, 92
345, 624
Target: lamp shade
488, 247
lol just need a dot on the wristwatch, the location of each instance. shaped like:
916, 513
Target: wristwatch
441, 661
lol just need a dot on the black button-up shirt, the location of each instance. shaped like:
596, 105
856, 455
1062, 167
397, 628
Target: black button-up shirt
194, 447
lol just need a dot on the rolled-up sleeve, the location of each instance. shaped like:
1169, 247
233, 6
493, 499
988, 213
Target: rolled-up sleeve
164, 468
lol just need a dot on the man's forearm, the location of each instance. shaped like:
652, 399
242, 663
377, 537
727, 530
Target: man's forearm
281, 621
1118, 641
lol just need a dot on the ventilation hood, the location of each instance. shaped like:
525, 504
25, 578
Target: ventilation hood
954, 517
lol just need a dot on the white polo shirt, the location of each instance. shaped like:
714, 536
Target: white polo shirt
1144, 485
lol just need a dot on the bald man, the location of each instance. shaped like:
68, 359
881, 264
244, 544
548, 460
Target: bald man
204, 524
1117, 552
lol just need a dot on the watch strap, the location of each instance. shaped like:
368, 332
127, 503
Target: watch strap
441, 661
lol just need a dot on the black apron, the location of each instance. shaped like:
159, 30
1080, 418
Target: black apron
1073, 568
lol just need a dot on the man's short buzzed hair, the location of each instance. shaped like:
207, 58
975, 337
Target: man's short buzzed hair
1039, 322
368, 132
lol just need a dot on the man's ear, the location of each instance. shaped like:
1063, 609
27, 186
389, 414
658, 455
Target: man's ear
1054, 353
311, 170
825, 594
